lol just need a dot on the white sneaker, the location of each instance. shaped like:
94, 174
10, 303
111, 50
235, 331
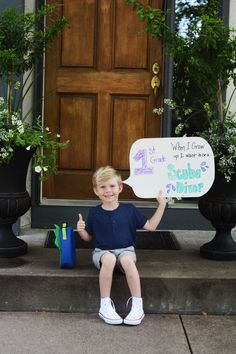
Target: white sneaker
136, 314
107, 313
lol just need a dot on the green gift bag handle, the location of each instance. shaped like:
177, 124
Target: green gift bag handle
63, 229
57, 236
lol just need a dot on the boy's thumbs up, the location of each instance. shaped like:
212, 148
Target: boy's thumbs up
80, 223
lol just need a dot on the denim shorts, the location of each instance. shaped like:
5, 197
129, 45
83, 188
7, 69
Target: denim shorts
98, 253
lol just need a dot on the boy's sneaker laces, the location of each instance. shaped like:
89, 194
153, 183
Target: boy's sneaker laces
136, 314
108, 313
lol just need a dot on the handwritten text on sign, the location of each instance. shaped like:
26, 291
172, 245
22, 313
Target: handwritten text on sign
180, 167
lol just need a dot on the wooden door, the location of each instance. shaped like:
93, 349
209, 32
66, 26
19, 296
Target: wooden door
98, 93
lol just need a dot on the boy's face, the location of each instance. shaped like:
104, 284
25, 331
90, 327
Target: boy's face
108, 191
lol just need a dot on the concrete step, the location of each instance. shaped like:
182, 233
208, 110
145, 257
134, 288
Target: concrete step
179, 282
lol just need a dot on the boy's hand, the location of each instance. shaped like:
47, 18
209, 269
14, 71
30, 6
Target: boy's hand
81, 230
161, 200
80, 223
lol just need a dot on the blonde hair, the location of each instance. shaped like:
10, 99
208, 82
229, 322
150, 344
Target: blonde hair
104, 173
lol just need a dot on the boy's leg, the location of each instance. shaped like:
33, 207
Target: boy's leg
107, 309
132, 275
136, 314
108, 262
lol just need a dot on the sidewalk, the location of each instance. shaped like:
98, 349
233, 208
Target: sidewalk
64, 333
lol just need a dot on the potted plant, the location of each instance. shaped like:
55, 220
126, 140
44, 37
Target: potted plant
22, 44
204, 55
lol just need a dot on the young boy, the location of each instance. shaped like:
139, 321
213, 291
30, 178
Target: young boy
112, 227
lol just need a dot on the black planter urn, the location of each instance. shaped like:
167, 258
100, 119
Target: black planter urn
14, 201
219, 206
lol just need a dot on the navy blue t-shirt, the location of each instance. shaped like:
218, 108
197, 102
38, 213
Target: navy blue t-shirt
114, 229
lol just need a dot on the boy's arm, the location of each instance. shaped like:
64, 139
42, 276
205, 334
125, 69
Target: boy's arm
81, 230
154, 221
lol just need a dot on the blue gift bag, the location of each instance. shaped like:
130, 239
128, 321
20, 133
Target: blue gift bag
65, 241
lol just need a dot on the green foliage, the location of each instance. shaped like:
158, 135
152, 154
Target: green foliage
222, 137
18, 133
205, 56
22, 44
204, 65
155, 23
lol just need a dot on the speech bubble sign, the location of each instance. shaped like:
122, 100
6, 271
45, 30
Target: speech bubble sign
180, 167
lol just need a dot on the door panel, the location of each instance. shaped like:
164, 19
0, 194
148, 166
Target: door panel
78, 112
127, 39
125, 131
78, 41
98, 93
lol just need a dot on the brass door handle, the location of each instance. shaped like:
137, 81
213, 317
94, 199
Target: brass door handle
155, 68
155, 82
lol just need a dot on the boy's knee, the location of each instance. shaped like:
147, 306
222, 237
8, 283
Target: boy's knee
127, 261
108, 260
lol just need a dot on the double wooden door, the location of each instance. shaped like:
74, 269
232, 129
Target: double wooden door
98, 92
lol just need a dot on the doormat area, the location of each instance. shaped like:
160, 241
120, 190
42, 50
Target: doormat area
158, 240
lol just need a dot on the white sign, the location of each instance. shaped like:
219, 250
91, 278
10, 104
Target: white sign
180, 167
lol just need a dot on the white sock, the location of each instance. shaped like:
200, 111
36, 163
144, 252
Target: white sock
104, 301
137, 302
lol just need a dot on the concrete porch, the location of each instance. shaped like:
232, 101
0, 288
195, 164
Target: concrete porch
179, 282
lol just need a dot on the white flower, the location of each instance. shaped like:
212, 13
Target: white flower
5, 154
207, 109
10, 133
170, 200
47, 129
14, 119
28, 147
169, 102
17, 85
158, 111
58, 135
187, 111
4, 113
21, 129
19, 123
232, 149
38, 169
179, 128
45, 168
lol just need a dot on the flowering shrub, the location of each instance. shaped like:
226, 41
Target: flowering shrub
222, 138
221, 135
204, 62
14, 132
23, 40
